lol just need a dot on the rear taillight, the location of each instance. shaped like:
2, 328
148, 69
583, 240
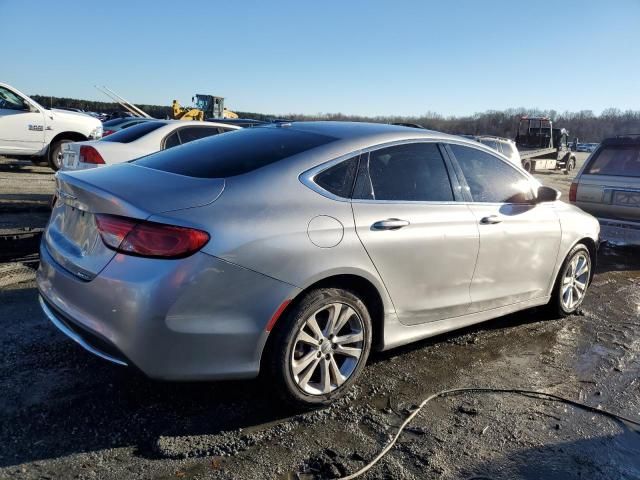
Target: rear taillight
107, 132
149, 239
573, 190
90, 155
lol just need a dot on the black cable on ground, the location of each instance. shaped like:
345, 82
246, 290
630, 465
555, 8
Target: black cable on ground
443, 393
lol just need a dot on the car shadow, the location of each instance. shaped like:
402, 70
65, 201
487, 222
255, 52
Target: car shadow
598, 457
24, 166
59, 400
612, 258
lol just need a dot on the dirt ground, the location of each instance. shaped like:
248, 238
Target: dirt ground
67, 414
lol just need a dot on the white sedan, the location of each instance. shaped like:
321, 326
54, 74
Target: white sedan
137, 141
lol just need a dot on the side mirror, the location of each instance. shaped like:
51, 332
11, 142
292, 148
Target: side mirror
547, 194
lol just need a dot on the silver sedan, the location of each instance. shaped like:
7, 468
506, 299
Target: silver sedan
293, 250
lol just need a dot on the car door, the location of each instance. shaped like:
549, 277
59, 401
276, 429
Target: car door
519, 240
422, 241
21, 126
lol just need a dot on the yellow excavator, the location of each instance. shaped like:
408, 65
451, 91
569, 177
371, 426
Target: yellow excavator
206, 106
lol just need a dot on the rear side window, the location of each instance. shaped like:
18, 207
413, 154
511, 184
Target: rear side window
235, 153
172, 141
339, 178
411, 172
490, 179
190, 134
619, 160
133, 133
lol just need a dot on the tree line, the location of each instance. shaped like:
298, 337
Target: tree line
584, 124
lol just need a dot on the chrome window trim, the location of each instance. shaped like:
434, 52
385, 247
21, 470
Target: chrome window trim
308, 177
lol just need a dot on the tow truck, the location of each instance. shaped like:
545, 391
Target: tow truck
543, 147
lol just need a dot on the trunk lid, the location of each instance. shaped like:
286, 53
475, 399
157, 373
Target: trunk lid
72, 237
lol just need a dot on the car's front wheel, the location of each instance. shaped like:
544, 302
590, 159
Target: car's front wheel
572, 282
320, 347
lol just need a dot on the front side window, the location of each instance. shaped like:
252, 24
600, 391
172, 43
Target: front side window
411, 172
623, 161
339, 178
11, 101
490, 179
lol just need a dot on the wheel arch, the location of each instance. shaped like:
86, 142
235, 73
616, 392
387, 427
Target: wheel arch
358, 284
593, 252
73, 136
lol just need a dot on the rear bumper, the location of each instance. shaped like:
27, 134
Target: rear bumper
619, 231
197, 318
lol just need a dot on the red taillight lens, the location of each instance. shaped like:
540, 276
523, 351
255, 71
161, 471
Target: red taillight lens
90, 155
107, 132
149, 239
573, 190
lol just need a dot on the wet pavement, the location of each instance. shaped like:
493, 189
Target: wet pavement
67, 414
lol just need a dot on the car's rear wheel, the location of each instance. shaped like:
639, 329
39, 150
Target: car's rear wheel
527, 166
571, 165
55, 154
572, 282
320, 347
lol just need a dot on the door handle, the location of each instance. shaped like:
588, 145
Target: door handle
491, 220
389, 224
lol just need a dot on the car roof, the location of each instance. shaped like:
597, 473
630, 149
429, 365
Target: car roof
372, 132
626, 139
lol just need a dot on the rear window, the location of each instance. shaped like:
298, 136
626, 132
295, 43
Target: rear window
507, 151
235, 153
490, 143
115, 121
623, 161
134, 132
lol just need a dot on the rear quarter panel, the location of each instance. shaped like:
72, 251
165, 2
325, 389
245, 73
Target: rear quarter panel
265, 221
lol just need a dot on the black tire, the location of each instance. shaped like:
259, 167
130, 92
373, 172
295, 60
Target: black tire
571, 164
280, 351
556, 307
527, 166
55, 154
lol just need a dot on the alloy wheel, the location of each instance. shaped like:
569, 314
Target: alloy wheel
575, 281
327, 349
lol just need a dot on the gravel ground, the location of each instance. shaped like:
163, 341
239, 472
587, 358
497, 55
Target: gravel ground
66, 414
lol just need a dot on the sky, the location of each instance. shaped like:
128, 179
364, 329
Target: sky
402, 57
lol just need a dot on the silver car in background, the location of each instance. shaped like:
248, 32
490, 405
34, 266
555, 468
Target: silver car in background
608, 187
293, 250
